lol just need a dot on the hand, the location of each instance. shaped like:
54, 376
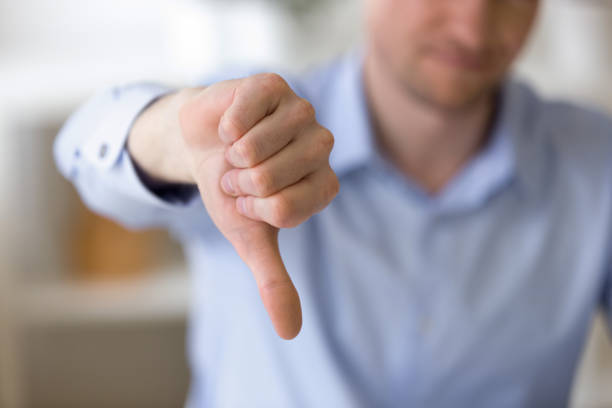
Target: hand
261, 162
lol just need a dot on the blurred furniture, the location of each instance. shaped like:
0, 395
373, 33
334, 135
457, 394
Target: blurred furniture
66, 342
91, 315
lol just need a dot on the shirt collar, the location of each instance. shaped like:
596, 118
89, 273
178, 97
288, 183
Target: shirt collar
525, 133
491, 169
511, 153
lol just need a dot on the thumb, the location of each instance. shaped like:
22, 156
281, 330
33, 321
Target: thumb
258, 248
256, 242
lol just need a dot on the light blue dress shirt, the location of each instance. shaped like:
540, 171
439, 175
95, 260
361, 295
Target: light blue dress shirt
480, 296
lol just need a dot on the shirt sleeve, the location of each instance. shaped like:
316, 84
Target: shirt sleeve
90, 152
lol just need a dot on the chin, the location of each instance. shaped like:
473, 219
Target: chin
458, 98
455, 93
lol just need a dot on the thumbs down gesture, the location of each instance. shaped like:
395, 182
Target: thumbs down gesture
261, 162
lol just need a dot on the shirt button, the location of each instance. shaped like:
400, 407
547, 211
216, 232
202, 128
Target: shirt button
103, 151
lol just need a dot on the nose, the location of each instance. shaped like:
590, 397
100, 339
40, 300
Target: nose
471, 23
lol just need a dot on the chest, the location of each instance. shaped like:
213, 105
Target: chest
505, 290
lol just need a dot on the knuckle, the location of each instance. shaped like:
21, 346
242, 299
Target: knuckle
232, 126
326, 141
263, 182
247, 84
329, 190
321, 146
270, 82
333, 187
280, 212
247, 151
304, 110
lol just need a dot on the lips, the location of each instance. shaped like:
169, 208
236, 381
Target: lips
462, 60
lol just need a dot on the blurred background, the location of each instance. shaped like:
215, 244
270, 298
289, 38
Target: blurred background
94, 316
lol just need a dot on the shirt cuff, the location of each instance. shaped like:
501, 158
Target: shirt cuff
105, 146
173, 193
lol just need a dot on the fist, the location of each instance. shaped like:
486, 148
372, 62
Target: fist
261, 162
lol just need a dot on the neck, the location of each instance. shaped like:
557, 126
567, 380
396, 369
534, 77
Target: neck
427, 143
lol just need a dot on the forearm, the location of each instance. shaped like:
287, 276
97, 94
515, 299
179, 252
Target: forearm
90, 152
155, 142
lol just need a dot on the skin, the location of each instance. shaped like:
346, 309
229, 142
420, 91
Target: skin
261, 161
432, 70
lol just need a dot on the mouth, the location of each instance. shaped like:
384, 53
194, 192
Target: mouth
463, 61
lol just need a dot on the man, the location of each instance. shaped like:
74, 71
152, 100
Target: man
461, 261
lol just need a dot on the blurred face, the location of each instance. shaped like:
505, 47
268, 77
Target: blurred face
449, 53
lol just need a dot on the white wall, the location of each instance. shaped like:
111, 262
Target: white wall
54, 53
570, 54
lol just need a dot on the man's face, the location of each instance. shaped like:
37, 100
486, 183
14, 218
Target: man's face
449, 53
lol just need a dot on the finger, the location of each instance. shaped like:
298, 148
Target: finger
253, 99
259, 250
271, 134
295, 204
201, 114
257, 244
303, 156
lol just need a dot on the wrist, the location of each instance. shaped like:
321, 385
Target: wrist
155, 143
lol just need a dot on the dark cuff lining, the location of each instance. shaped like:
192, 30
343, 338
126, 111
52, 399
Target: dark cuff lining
172, 193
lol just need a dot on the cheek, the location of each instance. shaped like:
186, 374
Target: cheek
395, 25
397, 20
